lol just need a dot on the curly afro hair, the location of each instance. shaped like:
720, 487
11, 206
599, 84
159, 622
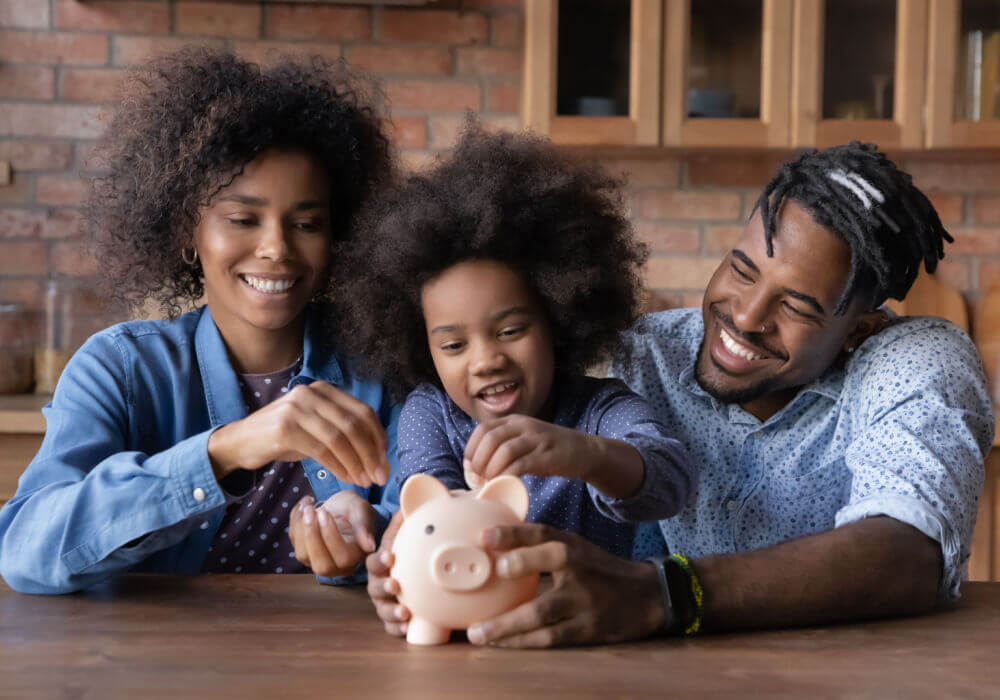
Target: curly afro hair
506, 197
187, 125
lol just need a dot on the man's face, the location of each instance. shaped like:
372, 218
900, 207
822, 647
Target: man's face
769, 321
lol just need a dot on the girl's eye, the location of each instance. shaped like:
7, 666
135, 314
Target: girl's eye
307, 226
452, 347
509, 332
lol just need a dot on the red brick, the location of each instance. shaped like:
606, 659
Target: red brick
662, 300
445, 96
26, 14
678, 204
87, 297
668, 238
73, 258
679, 273
492, 4
438, 26
61, 223
401, 59
21, 223
54, 47
16, 192
59, 190
661, 172
91, 85
444, 130
24, 258
954, 271
29, 292
719, 240
740, 170
986, 210
53, 121
409, 131
299, 22
218, 19
955, 176
30, 82
36, 155
949, 207
503, 97
414, 161
88, 158
266, 52
486, 61
507, 30
134, 17
975, 241
130, 50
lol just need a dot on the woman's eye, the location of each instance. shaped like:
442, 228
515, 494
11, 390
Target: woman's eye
240, 221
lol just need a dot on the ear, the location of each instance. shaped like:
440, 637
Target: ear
419, 489
508, 490
866, 325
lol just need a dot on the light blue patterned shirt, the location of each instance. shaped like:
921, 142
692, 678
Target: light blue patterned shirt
901, 430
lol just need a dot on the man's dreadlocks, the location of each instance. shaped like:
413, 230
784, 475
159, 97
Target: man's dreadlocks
859, 194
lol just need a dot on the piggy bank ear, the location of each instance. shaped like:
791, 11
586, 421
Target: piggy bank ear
508, 490
419, 489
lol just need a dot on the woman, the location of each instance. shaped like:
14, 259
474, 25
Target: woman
175, 446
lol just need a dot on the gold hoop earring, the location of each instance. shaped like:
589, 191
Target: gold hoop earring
193, 258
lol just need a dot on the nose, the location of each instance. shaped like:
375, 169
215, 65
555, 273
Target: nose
487, 360
457, 567
273, 243
751, 310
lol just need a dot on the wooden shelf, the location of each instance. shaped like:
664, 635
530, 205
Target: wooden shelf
22, 413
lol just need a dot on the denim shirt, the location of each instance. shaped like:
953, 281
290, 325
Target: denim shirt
901, 430
123, 481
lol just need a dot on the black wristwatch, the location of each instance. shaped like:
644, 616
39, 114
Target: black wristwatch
674, 596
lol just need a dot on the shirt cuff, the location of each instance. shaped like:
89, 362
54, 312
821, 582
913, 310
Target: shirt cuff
917, 514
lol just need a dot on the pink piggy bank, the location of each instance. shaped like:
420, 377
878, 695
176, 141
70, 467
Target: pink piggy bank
446, 579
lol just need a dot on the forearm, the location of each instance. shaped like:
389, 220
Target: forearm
872, 568
614, 467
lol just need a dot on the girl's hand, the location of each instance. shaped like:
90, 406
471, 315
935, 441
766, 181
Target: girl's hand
384, 590
332, 539
518, 445
317, 421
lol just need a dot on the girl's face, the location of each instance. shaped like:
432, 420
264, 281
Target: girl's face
490, 340
264, 242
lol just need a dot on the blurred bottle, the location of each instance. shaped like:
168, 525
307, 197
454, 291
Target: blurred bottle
55, 349
16, 345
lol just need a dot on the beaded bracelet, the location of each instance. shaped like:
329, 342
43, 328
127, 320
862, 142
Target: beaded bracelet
697, 594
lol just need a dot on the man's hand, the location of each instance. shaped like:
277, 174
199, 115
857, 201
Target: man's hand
332, 539
384, 590
596, 597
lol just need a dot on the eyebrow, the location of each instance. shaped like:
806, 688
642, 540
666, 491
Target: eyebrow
499, 315
804, 298
260, 202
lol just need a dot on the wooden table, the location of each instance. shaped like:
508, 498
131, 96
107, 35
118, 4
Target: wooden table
287, 636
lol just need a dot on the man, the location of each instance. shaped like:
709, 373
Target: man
841, 450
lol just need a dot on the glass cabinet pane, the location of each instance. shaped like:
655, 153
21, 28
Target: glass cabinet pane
723, 77
859, 57
977, 84
592, 66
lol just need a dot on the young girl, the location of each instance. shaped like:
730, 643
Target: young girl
183, 445
503, 273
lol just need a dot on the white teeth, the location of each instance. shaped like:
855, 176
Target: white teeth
269, 286
489, 391
735, 348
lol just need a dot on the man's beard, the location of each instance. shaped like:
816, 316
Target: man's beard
736, 396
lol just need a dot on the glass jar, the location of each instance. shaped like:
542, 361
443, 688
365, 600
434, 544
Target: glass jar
54, 351
16, 349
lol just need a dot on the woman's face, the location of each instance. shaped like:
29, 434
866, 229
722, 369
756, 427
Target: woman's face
264, 242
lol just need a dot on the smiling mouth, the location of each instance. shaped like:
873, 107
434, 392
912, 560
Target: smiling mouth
737, 348
269, 286
500, 397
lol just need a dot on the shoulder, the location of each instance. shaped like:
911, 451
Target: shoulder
424, 403
659, 345
177, 332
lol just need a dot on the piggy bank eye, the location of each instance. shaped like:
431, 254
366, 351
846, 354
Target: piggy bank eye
429, 529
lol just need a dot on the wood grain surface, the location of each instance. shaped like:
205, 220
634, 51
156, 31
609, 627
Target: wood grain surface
287, 636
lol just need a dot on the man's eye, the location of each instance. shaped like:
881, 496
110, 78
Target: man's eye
796, 312
740, 273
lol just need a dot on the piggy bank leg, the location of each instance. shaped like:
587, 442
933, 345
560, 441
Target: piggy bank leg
420, 631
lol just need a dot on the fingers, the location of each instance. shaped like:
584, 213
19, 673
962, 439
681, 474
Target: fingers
541, 558
484, 441
531, 624
296, 530
523, 535
361, 516
512, 457
360, 425
383, 592
346, 556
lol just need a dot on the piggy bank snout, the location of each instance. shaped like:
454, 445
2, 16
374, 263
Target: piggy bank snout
460, 567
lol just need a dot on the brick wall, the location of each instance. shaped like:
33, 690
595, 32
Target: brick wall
60, 61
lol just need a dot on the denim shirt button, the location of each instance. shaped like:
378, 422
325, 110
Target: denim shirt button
321, 474
198, 494
204, 525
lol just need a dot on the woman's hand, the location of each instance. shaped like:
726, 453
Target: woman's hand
596, 597
519, 444
317, 421
384, 590
334, 538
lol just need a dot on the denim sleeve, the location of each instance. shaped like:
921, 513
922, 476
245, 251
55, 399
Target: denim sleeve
669, 481
924, 433
424, 446
87, 506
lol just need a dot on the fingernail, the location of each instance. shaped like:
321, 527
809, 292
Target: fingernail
384, 558
324, 517
387, 586
466, 464
398, 612
491, 537
503, 566
308, 513
380, 475
476, 634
